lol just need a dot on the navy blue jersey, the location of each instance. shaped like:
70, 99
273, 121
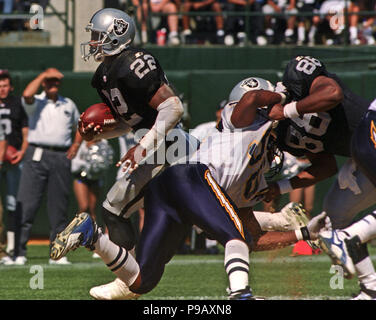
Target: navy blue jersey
363, 146
13, 118
127, 84
329, 131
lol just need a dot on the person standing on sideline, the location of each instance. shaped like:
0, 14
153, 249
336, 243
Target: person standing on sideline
47, 164
3, 145
14, 122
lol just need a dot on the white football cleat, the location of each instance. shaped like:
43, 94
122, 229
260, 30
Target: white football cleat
334, 244
365, 293
115, 290
6, 261
20, 261
62, 261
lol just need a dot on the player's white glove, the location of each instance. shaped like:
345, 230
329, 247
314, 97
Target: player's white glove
282, 90
279, 87
313, 228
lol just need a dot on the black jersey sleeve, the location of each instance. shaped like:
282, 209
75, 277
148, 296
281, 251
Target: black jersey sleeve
299, 75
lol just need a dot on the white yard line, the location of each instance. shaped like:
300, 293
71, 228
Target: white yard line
267, 298
287, 259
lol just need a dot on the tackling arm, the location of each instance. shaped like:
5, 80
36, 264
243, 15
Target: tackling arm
170, 111
245, 111
272, 240
265, 240
324, 94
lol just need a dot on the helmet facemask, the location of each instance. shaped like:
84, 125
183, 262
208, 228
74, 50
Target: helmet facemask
275, 158
95, 45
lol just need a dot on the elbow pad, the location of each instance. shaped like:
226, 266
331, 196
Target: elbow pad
170, 112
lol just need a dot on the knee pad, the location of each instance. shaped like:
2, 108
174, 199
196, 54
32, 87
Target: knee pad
358, 251
120, 230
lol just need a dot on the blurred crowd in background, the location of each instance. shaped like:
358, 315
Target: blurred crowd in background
237, 22
260, 22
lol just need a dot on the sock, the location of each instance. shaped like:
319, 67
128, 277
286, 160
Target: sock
312, 33
301, 34
353, 32
237, 264
366, 273
173, 34
117, 259
365, 228
10, 241
11, 229
144, 36
220, 33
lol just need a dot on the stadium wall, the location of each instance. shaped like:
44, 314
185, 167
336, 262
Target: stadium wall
198, 73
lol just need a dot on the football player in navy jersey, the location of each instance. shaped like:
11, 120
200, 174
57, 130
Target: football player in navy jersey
319, 121
14, 122
132, 83
346, 246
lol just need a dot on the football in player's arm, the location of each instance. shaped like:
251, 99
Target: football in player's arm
132, 83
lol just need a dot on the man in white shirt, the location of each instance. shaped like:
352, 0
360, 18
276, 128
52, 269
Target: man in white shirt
47, 164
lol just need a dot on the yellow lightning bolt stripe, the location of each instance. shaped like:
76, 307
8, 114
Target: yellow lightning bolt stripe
373, 133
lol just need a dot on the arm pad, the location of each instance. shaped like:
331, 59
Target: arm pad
170, 112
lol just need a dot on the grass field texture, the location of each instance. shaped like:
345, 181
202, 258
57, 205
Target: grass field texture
274, 274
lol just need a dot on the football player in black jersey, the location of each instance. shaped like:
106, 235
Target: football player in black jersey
320, 122
14, 122
132, 83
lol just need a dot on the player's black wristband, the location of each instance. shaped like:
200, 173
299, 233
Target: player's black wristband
305, 233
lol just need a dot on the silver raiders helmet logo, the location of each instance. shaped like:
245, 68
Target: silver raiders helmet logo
249, 84
120, 26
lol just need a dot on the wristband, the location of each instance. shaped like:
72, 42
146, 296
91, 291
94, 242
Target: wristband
290, 111
302, 234
284, 186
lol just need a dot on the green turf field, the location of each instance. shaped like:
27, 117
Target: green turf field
274, 274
